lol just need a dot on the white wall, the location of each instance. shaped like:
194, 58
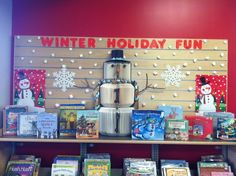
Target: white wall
5, 51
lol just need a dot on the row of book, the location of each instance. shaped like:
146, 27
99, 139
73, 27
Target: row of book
100, 165
157, 125
74, 121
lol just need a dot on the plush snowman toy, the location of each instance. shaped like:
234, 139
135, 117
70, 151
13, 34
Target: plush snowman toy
207, 99
25, 95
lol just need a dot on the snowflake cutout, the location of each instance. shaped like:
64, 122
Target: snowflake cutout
64, 79
173, 75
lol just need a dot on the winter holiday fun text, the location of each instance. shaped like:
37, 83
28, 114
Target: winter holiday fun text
122, 43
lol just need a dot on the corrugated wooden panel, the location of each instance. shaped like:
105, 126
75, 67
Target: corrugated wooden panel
85, 57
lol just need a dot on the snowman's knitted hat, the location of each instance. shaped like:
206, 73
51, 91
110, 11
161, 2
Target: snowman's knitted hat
203, 80
22, 75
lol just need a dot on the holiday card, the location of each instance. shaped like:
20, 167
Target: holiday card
211, 93
29, 88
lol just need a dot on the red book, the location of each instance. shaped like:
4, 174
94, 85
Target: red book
200, 127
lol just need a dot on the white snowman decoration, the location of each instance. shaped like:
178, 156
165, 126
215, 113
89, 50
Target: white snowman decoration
25, 95
207, 99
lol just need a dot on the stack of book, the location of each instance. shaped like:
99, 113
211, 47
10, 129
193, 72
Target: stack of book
213, 165
139, 167
66, 165
175, 167
23, 165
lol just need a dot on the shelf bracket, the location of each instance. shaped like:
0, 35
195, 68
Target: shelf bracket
155, 153
83, 150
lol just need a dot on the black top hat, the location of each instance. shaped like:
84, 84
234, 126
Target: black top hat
21, 75
203, 80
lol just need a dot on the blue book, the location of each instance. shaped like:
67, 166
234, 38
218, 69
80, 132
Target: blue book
148, 125
47, 125
172, 112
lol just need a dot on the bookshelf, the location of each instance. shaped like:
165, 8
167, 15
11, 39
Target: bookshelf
7, 147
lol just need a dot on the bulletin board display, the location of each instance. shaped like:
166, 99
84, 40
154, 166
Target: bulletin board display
66, 69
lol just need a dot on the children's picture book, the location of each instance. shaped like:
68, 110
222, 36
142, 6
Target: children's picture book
63, 170
68, 119
178, 171
206, 168
215, 116
98, 167
142, 168
148, 125
226, 128
200, 127
26, 124
176, 130
172, 112
20, 168
69, 160
87, 124
47, 125
10, 114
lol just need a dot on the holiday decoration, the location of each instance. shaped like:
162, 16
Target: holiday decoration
64, 79
29, 84
173, 76
85, 57
210, 93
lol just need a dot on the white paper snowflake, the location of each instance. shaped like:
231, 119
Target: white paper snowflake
64, 79
173, 75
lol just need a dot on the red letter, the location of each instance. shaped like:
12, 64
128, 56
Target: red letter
197, 44
178, 43
187, 44
162, 43
47, 42
121, 43
130, 45
144, 43
82, 42
154, 44
64, 42
111, 43
73, 40
91, 43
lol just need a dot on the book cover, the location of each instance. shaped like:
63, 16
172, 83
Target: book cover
200, 127
142, 168
10, 114
15, 168
47, 125
226, 128
26, 124
172, 112
98, 167
148, 125
63, 170
87, 124
176, 130
68, 119
205, 168
178, 171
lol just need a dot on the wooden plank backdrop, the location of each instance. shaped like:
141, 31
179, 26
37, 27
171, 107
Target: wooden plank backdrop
85, 57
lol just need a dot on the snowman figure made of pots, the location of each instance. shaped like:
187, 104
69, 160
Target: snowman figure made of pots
25, 95
207, 99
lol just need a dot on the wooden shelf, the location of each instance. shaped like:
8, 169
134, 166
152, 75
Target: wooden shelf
116, 140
